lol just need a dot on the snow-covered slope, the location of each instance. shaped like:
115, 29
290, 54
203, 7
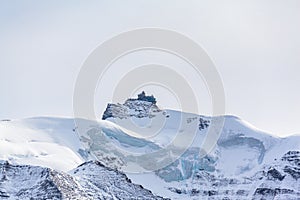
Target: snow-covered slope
54, 142
230, 170
101, 182
91, 180
245, 163
48, 142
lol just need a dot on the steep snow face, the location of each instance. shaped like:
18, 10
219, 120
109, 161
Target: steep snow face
91, 180
277, 180
55, 142
228, 171
248, 147
101, 182
41, 141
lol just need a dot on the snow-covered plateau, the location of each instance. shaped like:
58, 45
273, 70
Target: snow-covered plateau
65, 158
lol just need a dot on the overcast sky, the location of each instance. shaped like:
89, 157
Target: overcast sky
255, 45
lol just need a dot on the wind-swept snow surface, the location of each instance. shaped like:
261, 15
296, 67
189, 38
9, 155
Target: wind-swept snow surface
49, 142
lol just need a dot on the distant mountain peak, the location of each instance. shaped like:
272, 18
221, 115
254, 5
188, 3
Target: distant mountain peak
140, 107
143, 97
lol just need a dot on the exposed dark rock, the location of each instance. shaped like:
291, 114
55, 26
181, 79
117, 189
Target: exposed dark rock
265, 192
292, 157
203, 124
212, 193
3, 194
143, 106
143, 97
195, 192
274, 174
293, 171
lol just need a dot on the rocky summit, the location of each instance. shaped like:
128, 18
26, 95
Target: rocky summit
143, 106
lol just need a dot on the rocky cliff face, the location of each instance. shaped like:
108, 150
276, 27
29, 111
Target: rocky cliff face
143, 106
30, 182
280, 181
100, 182
91, 180
276, 181
245, 163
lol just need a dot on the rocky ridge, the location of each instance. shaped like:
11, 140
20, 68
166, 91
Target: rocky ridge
91, 180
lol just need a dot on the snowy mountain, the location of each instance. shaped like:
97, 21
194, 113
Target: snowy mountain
236, 168
91, 180
245, 163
